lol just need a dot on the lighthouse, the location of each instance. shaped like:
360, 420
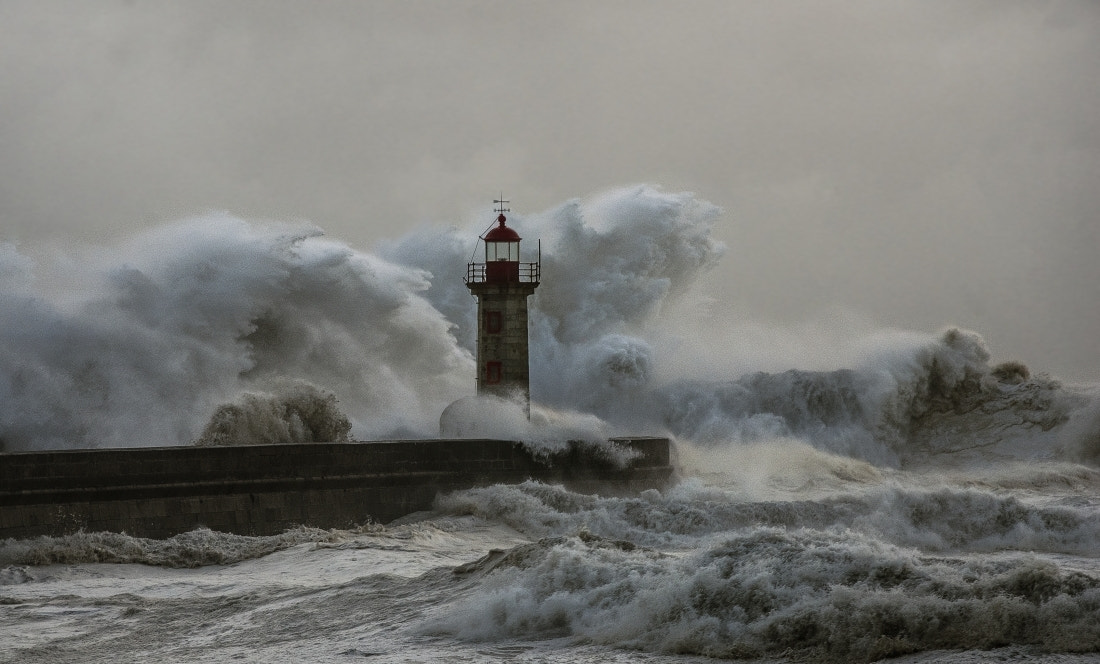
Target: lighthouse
502, 285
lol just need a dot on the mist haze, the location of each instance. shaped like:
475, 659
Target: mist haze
905, 165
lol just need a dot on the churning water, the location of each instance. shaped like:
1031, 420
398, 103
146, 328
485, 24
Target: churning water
905, 498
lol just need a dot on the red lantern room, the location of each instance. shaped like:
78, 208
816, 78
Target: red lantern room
501, 253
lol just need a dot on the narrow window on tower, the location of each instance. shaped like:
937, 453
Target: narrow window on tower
492, 373
492, 322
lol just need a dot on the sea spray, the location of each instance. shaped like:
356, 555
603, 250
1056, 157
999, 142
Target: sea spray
923, 396
171, 332
610, 265
1080, 440
195, 313
544, 431
296, 412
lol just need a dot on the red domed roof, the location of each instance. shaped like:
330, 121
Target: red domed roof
502, 233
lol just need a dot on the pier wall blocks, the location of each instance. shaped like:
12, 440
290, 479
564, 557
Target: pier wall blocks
265, 489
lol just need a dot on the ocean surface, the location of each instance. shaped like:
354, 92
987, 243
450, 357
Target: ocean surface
844, 493
980, 544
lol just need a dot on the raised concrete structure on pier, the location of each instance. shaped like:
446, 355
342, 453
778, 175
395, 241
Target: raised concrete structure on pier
265, 489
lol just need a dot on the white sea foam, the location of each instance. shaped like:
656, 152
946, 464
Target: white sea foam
944, 519
768, 590
193, 314
296, 413
196, 548
542, 430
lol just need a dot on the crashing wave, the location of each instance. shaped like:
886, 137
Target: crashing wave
939, 397
812, 594
296, 413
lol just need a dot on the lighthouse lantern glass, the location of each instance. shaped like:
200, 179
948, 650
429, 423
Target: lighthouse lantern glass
502, 251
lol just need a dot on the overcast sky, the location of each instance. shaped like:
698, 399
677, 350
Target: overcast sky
918, 164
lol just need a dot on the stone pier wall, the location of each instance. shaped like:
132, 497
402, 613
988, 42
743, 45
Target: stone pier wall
261, 490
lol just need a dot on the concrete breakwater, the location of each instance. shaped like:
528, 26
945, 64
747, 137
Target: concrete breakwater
265, 489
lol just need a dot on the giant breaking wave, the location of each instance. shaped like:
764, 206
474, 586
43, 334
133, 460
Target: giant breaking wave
220, 330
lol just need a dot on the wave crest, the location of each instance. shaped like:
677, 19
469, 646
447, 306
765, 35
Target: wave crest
769, 590
296, 412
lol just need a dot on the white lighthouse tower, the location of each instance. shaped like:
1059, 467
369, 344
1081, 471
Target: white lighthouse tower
502, 285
